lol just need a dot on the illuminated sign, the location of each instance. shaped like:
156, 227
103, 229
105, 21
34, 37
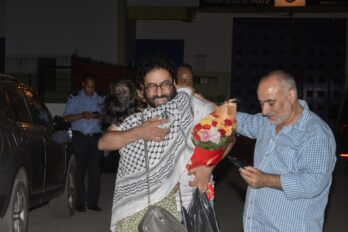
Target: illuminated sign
272, 3
289, 3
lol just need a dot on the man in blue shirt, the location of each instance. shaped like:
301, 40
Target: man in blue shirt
293, 160
83, 112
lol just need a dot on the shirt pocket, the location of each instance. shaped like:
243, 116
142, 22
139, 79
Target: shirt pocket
284, 159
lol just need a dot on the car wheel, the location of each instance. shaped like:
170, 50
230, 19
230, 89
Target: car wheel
64, 205
16, 217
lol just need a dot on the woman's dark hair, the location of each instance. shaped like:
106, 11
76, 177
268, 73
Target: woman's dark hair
153, 62
121, 101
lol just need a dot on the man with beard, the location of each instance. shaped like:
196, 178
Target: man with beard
156, 74
294, 159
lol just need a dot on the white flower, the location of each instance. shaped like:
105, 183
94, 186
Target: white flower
212, 135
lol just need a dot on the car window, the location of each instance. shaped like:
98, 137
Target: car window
18, 106
4, 107
344, 112
40, 114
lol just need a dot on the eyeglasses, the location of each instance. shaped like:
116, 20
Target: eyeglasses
165, 85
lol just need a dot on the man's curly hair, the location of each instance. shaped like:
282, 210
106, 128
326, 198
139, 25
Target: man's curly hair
153, 62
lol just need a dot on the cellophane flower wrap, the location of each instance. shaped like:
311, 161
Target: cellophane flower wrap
212, 135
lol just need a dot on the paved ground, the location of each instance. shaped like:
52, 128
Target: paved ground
229, 204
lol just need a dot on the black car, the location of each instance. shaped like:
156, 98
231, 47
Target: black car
37, 164
342, 130
342, 134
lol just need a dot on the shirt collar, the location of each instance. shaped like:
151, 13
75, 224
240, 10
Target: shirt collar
305, 115
302, 120
82, 93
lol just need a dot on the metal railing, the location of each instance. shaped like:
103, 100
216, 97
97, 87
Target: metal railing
49, 75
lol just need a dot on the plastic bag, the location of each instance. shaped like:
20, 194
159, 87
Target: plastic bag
201, 215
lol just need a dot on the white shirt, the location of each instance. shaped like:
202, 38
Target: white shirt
201, 108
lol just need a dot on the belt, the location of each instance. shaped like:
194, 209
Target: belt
86, 134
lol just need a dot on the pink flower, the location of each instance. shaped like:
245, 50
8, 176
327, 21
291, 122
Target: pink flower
212, 135
204, 135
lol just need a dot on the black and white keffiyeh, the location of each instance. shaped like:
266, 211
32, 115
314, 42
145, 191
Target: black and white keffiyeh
167, 159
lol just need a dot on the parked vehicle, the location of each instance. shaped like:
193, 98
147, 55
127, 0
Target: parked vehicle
342, 132
37, 164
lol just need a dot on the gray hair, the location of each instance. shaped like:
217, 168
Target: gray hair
286, 79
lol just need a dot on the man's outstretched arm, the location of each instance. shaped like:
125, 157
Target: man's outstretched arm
149, 130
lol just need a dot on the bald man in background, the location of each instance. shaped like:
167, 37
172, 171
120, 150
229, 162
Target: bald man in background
184, 77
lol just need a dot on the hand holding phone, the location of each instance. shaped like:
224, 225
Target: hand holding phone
238, 163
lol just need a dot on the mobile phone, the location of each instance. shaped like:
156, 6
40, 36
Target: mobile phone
238, 163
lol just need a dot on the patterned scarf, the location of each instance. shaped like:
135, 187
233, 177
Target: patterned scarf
167, 159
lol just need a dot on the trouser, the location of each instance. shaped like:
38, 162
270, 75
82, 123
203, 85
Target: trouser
88, 159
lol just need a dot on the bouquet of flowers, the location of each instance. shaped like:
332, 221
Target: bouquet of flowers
212, 135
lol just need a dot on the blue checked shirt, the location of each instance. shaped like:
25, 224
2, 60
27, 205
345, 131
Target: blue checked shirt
81, 103
303, 155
